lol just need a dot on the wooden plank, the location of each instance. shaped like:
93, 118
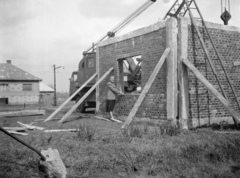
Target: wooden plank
16, 128
102, 118
145, 90
76, 92
17, 133
22, 113
85, 96
61, 130
30, 126
211, 88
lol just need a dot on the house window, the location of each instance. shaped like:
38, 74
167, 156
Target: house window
130, 74
27, 87
3, 87
91, 62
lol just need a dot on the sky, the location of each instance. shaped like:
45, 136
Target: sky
36, 34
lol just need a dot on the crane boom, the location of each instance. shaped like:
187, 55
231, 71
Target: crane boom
121, 25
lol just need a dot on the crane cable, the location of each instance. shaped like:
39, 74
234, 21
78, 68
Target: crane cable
226, 2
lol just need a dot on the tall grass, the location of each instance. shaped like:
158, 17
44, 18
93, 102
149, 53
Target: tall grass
86, 132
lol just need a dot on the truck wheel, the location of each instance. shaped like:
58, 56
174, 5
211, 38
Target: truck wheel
81, 107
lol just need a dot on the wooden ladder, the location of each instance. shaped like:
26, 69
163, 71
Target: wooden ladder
187, 3
180, 9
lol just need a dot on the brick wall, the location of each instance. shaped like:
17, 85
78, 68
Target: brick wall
227, 40
150, 46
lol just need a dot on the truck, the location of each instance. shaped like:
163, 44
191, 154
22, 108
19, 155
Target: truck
87, 67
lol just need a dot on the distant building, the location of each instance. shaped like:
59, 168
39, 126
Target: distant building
17, 86
45, 89
46, 94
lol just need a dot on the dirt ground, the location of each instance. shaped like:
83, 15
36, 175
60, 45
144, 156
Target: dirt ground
100, 149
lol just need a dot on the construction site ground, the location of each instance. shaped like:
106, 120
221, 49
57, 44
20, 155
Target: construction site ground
100, 149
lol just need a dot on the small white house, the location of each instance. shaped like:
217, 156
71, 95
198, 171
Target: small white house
17, 86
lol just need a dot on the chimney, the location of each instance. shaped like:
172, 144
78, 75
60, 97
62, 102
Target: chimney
8, 61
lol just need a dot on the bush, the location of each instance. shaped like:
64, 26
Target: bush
86, 132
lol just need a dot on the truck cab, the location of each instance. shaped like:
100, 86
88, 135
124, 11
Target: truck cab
86, 68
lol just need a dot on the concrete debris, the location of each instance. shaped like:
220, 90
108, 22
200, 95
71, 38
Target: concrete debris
53, 165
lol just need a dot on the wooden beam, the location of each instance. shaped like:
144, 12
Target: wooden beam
215, 93
22, 113
76, 92
145, 89
85, 96
97, 71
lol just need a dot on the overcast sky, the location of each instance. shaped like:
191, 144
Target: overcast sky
36, 34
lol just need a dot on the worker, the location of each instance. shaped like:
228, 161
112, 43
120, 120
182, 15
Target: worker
111, 98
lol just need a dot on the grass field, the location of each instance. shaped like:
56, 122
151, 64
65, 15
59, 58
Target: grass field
101, 150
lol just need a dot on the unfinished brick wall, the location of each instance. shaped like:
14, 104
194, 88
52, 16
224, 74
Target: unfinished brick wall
203, 107
150, 46
227, 40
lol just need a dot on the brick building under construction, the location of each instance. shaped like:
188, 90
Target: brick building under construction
162, 98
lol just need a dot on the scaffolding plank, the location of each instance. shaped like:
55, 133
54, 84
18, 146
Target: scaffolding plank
76, 92
210, 87
145, 90
85, 96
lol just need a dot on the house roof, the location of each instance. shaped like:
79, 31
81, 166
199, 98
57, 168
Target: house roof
44, 88
11, 72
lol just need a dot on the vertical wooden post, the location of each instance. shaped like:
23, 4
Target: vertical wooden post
183, 98
171, 37
121, 76
98, 74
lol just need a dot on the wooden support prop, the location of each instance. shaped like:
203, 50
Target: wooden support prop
76, 92
145, 90
211, 88
86, 95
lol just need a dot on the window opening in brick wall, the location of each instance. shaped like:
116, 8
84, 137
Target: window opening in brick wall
130, 74
27, 87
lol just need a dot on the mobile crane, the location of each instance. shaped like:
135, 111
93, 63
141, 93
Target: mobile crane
87, 65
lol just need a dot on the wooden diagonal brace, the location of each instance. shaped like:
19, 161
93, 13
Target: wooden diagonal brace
145, 90
76, 92
85, 96
210, 87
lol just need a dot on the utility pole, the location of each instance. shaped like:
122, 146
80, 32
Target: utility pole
55, 92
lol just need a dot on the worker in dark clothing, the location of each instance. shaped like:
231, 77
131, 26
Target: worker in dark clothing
111, 98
